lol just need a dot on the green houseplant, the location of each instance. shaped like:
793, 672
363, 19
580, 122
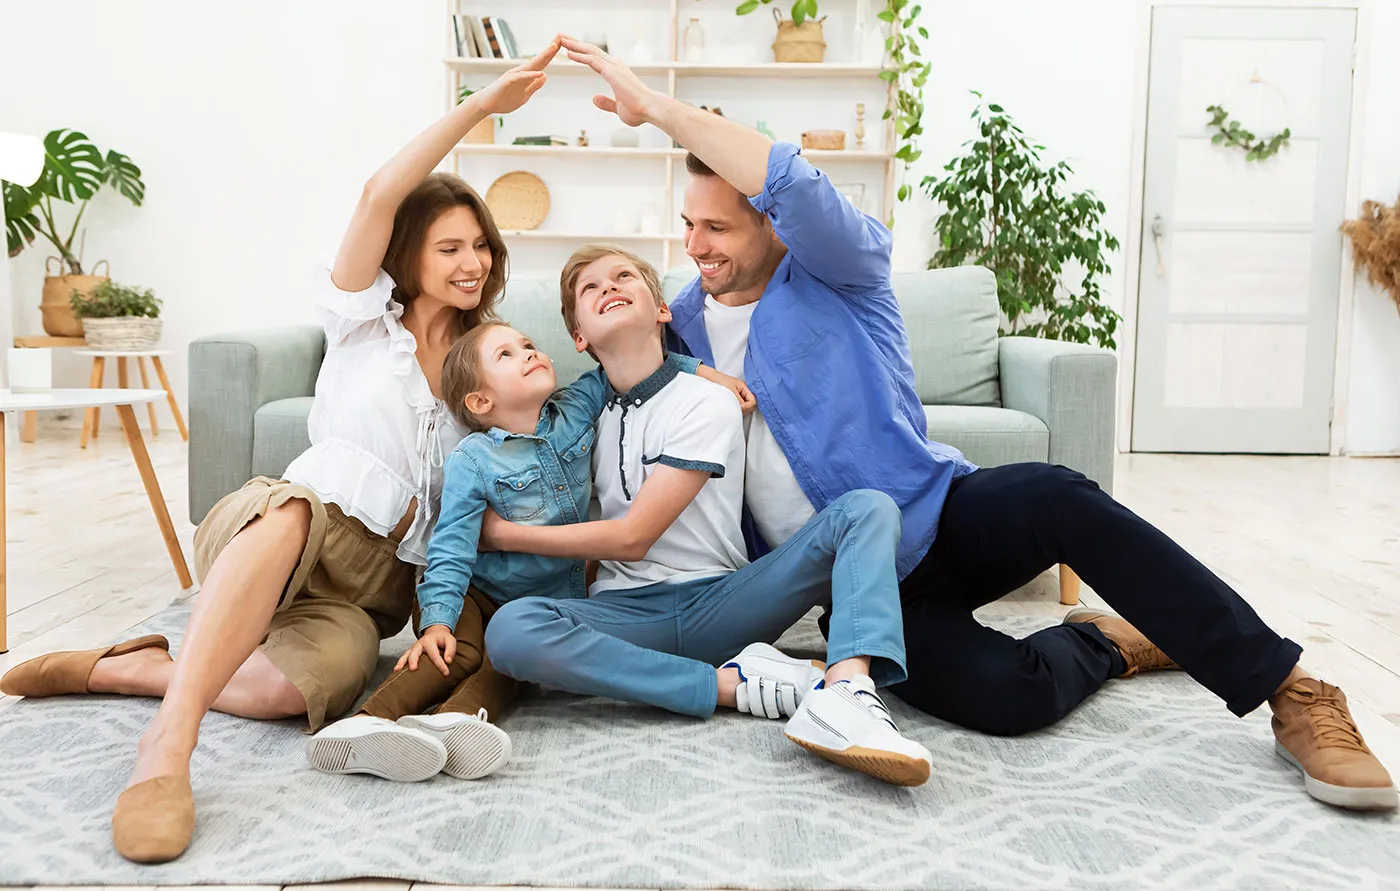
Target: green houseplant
74, 171
118, 317
1003, 208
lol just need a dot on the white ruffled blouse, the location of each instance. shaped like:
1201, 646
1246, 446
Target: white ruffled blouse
378, 435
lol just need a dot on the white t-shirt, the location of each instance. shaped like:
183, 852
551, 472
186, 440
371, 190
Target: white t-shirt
682, 421
777, 502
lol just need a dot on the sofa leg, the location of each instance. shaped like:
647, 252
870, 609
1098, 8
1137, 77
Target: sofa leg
1069, 586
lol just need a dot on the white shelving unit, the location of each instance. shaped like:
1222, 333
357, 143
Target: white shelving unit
654, 161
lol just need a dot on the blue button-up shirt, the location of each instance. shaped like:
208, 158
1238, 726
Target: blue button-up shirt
828, 357
541, 479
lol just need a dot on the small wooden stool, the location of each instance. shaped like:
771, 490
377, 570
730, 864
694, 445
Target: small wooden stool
1069, 586
99, 366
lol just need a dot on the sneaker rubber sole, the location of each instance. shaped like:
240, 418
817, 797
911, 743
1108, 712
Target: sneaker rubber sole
1357, 798
474, 748
400, 757
893, 768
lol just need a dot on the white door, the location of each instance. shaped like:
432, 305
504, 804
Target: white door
1238, 290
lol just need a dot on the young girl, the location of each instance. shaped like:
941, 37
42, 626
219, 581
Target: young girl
528, 459
302, 577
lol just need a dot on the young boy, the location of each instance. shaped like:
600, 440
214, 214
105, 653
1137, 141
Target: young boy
528, 458
675, 594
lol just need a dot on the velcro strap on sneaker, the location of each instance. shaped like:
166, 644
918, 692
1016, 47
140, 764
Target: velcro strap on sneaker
766, 698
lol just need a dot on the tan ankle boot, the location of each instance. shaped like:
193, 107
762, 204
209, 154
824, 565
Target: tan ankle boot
68, 672
1316, 734
1139, 653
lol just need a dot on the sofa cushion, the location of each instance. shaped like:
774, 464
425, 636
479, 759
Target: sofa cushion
989, 436
279, 434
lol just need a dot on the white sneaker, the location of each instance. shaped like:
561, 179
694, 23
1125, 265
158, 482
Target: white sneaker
846, 722
475, 747
366, 744
772, 683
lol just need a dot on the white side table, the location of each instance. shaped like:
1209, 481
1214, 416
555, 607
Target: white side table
99, 365
122, 401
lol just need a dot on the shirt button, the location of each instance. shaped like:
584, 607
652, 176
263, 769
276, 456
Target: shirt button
560, 488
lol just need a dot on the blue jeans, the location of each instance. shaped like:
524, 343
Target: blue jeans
659, 644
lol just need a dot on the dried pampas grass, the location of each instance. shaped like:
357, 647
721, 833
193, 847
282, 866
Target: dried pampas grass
1375, 240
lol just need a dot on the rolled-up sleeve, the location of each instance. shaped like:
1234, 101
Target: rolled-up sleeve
838, 245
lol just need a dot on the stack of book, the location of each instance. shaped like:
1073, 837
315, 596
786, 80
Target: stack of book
484, 37
540, 140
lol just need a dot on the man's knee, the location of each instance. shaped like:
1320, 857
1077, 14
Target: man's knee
869, 504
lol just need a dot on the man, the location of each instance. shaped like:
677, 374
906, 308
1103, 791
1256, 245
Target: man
794, 296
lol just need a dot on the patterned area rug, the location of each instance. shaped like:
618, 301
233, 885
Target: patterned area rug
1151, 784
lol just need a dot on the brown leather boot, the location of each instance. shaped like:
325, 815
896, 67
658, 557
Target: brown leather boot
1139, 653
1316, 734
68, 672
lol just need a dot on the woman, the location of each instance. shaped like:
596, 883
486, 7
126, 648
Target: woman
301, 578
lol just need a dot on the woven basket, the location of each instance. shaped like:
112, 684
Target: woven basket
799, 43
518, 200
824, 139
123, 333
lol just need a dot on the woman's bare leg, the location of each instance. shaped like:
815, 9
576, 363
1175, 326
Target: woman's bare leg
231, 617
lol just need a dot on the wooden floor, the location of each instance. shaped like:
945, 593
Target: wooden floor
1312, 543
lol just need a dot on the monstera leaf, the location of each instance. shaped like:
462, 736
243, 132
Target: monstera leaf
73, 166
20, 220
124, 176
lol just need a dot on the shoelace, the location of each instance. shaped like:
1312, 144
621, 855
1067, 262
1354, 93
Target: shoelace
1329, 717
1144, 656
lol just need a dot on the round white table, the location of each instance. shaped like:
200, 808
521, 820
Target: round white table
122, 400
99, 367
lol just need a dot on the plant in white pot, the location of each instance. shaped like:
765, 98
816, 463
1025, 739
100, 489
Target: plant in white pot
118, 317
74, 171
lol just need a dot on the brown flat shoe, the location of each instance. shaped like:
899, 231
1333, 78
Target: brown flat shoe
1139, 653
68, 672
153, 821
1314, 732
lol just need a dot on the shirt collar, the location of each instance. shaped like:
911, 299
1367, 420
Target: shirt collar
499, 434
648, 387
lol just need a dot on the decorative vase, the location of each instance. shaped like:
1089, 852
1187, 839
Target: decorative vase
860, 34
122, 333
799, 43
56, 307
694, 41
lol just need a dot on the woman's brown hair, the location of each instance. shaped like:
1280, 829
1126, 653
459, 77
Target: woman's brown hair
430, 199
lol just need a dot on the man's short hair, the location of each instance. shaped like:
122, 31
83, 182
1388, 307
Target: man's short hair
695, 167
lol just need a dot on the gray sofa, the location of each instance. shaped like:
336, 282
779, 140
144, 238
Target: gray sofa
999, 400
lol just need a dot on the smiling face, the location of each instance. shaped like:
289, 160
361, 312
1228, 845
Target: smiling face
614, 296
733, 245
456, 259
513, 374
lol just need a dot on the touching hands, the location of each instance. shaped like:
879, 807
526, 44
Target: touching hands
438, 643
747, 402
515, 87
632, 101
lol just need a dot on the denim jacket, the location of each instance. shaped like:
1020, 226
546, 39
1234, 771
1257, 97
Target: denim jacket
828, 358
543, 479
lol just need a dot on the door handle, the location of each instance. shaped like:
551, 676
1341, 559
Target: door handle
1159, 231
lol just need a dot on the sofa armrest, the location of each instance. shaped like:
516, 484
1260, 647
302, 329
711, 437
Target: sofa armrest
1070, 387
231, 377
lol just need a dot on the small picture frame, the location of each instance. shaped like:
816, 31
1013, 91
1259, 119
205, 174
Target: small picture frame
855, 193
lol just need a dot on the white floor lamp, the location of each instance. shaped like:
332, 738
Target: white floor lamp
21, 162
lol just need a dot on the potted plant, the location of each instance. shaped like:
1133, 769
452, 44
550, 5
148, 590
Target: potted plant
74, 171
1005, 209
1375, 243
118, 317
800, 38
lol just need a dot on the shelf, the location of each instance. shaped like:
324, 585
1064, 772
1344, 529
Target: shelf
552, 235
696, 69
603, 151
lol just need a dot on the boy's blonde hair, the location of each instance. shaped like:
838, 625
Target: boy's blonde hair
461, 374
590, 253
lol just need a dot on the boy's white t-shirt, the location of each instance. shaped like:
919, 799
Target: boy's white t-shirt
682, 421
777, 502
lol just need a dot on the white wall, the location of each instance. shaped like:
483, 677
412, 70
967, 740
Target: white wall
256, 127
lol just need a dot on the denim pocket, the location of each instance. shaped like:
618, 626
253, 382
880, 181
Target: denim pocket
521, 495
578, 458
